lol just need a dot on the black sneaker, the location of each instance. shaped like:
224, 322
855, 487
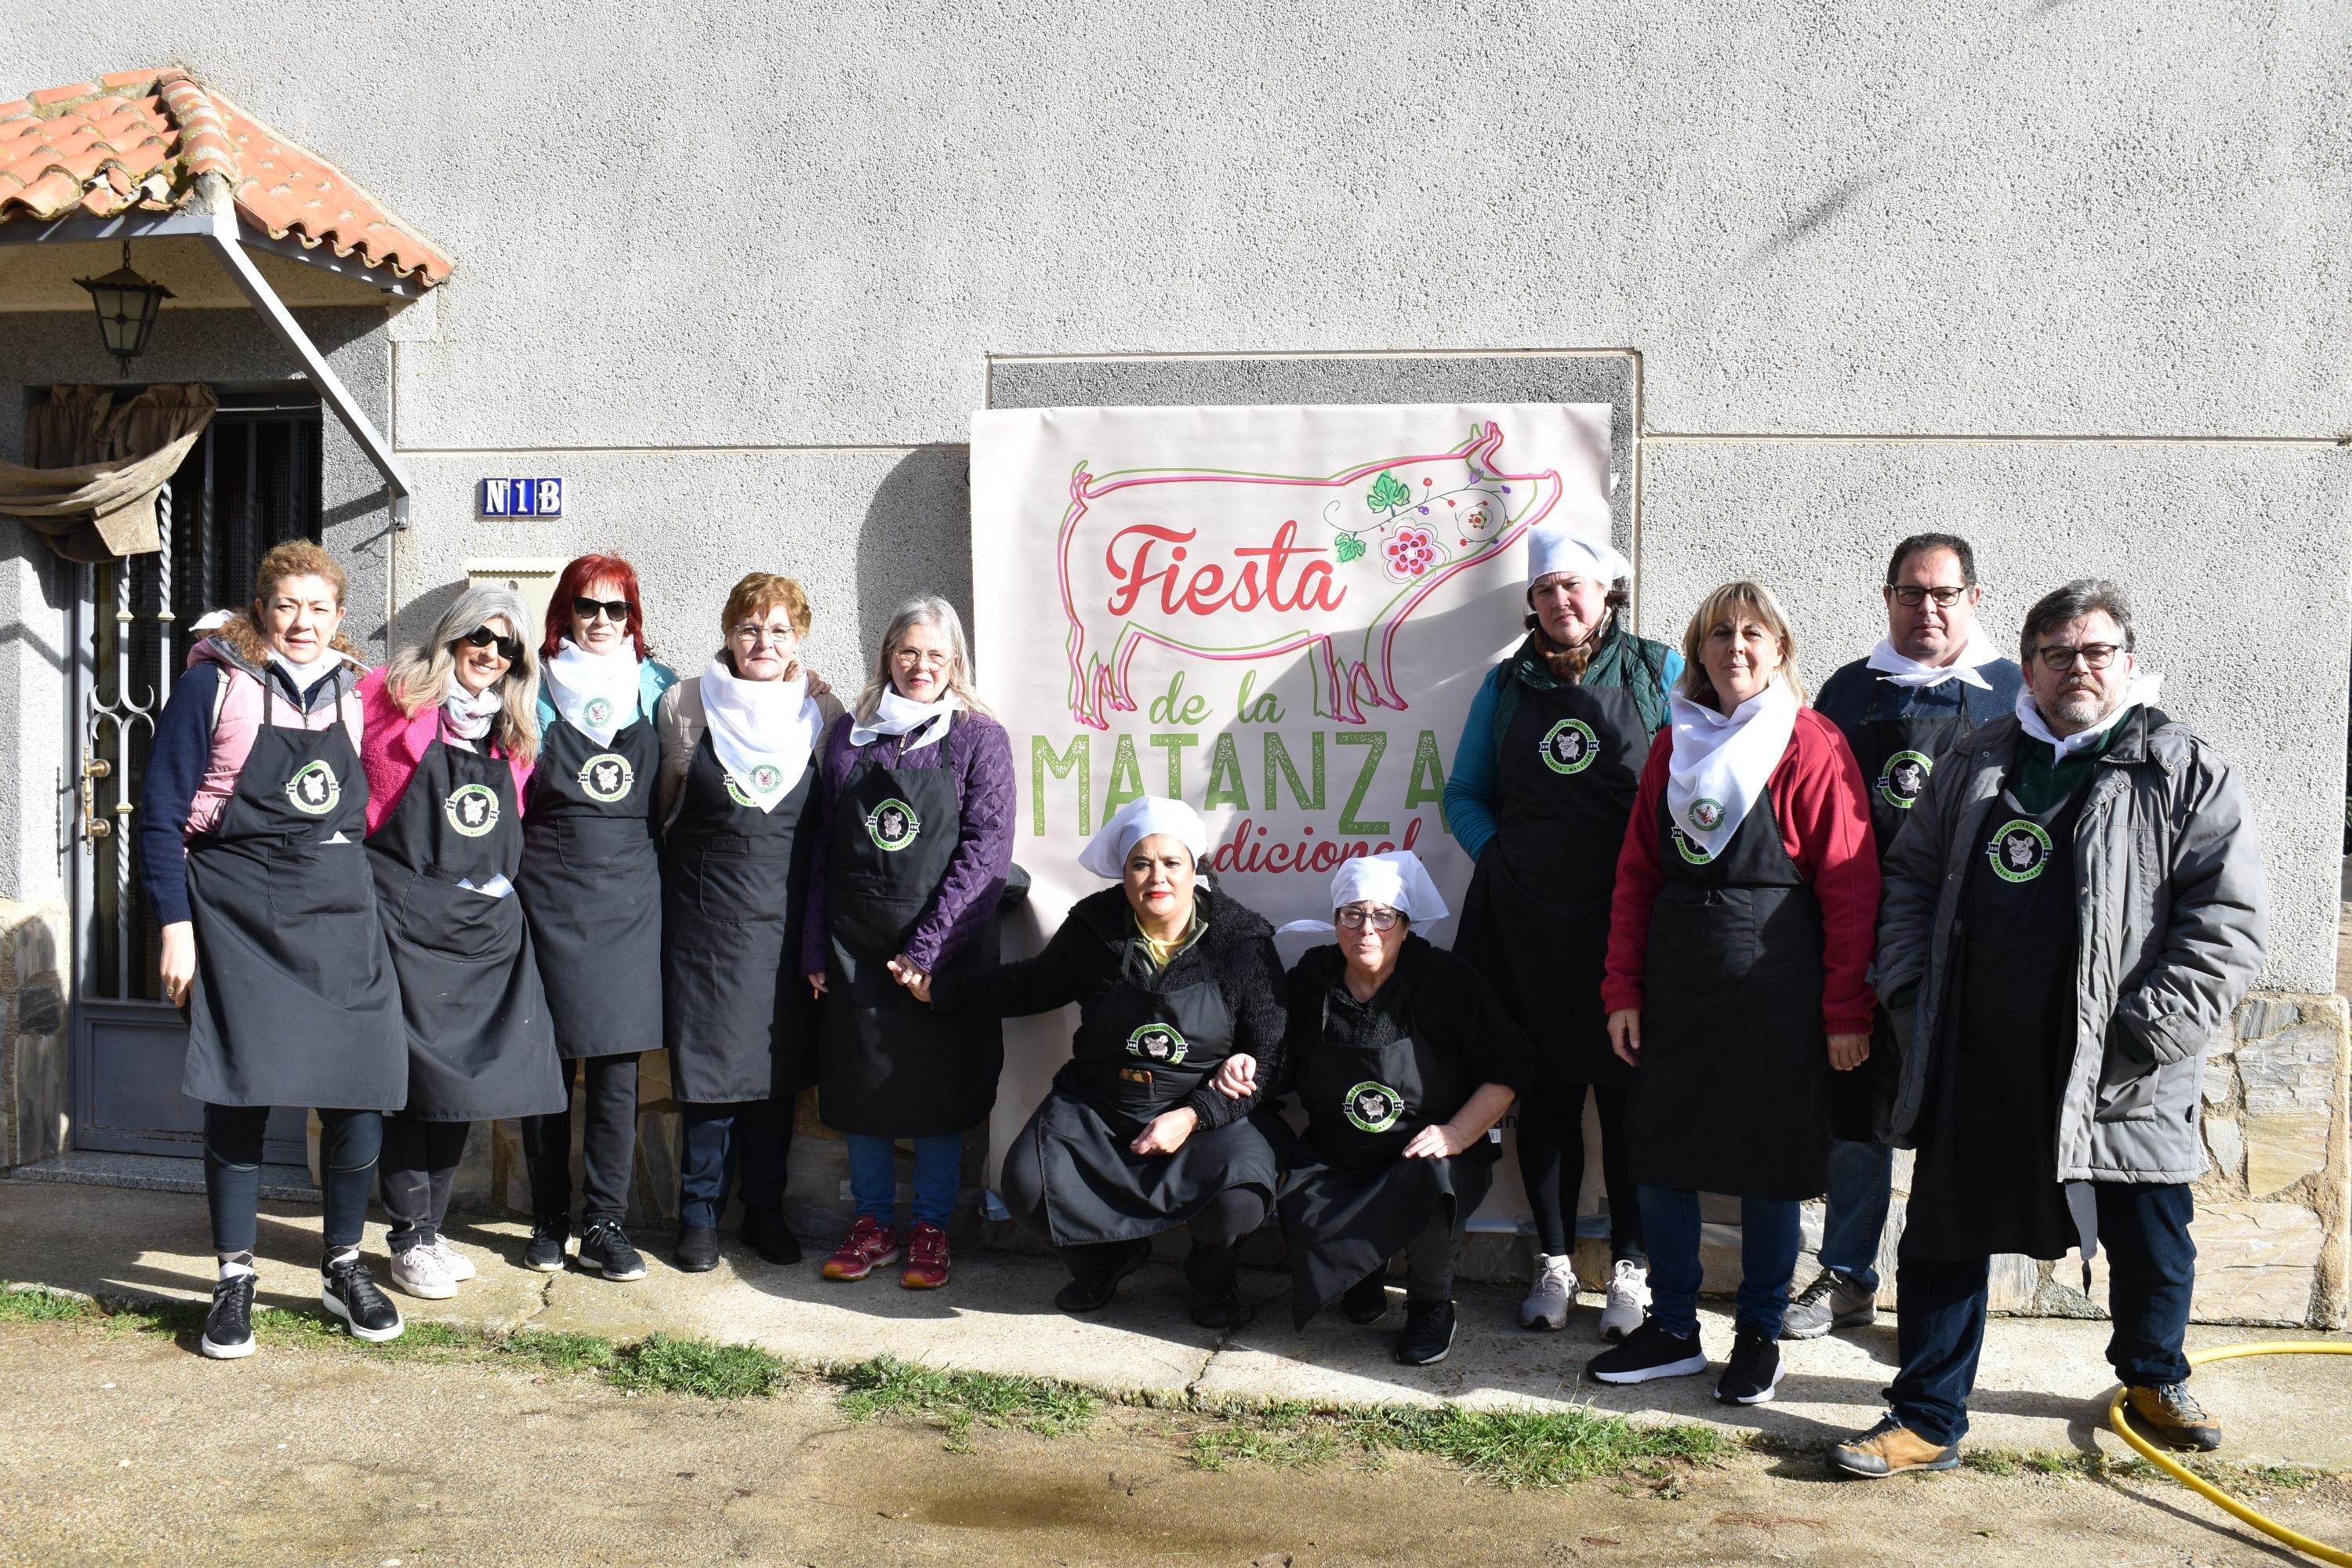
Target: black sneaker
1753, 1372
348, 1290
604, 1248
547, 1235
765, 1233
1213, 1274
228, 1327
1649, 1352
1092, 1292
1367, 1301
1428, 1332
698, 1249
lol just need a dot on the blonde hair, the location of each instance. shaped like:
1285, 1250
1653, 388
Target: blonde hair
419, 677
296, 558
924, 610
761, 592
1757, 601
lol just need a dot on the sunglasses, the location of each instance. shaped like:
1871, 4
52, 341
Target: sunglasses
482, 636
612, 609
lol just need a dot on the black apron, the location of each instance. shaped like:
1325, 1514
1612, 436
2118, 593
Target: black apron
1536, 922
1351, 1200
590, 888
1139, 1051
736, 1012
1733, 1093
295, 1002
1899, 752
480, 1047
889, 1066
1987, 1179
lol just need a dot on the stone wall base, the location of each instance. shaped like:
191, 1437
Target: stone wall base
36, 1104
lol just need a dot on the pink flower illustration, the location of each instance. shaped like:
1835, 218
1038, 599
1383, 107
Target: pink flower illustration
1409, 552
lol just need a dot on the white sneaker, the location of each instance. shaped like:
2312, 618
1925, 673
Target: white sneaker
1555, 1287
1629, 1300
453, 1262
418, 1272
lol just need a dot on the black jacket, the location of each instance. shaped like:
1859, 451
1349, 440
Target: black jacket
1452, 1007
1087, 956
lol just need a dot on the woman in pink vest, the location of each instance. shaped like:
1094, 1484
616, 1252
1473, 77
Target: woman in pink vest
250, 823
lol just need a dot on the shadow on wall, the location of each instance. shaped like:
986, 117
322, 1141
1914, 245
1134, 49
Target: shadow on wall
417, 617
916, 539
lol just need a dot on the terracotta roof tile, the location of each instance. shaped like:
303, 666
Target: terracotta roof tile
142, 138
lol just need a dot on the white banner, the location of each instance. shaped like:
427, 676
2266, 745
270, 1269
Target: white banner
1279, 615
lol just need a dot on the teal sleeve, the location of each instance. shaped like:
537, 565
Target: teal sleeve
1470, 787
1672, 673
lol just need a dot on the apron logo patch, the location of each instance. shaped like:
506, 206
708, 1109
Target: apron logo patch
1904, 779
765, 778
607, 777
893, 825
599, 711
1373, 1107
1157, 1043
314, 789
1689, 849
2019, 850
1569, 746
472, 809
1705, 814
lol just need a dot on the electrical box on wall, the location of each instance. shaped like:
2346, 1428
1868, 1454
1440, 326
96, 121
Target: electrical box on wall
532, 576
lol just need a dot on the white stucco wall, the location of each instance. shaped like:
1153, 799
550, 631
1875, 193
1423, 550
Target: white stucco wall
737, 281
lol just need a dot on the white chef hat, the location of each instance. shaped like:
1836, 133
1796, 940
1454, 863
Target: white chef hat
1398, 879
1105, 853
1558, 547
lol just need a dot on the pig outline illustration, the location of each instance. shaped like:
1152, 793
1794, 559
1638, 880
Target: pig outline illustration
1101, 645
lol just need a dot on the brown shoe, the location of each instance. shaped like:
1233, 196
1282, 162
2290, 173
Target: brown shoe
2171, 1415
1890, 1449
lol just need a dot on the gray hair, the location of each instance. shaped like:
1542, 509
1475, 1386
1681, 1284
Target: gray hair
2072, 603
419, 676
923, 610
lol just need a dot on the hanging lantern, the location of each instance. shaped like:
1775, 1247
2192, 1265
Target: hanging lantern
126, 304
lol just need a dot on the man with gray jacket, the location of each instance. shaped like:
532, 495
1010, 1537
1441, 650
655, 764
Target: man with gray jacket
2074, 909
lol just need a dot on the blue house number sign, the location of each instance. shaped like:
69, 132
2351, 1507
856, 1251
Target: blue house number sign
522, 498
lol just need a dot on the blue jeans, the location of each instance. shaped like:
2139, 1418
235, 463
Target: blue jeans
874, 1177
739, 1148
1862, 1180
1939, 1309
1767, 1256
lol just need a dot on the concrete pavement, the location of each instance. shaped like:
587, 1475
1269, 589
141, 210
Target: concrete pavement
2042, 1384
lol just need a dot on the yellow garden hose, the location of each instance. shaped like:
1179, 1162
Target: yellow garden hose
2205, 1488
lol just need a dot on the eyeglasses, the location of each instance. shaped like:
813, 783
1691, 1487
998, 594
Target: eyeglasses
919, 659
1910, 597
616, 610
482, 636
1355, 917
2059, 657
780, 637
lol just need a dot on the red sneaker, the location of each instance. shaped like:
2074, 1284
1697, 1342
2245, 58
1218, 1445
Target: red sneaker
926, 1257
869, 1245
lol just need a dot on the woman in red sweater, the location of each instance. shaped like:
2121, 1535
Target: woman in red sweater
1746, 901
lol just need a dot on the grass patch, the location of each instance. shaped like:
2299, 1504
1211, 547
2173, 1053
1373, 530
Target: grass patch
2063, 1462
1510, 1447
958, 1401
658, 1363
31, 1304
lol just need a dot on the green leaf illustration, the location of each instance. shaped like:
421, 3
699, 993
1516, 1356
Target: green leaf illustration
1348, 548
1389, 492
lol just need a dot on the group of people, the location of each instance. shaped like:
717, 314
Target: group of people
1988, 911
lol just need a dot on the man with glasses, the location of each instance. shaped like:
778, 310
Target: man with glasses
2075, 907
1930, 681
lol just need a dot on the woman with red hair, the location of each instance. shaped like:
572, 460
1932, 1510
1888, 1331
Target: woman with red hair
591, 886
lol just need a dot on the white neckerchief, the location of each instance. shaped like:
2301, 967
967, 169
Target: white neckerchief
305, 676
470, 714
597, 693
895, 715
1897, 668
1720, 762
762, 731
2139, 694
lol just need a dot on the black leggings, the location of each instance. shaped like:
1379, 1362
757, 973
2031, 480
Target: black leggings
420, 1167
608, 1144
1550, 1136
1218, 1228
347, 1143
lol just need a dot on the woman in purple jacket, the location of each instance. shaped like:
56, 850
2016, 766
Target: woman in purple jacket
914, 834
